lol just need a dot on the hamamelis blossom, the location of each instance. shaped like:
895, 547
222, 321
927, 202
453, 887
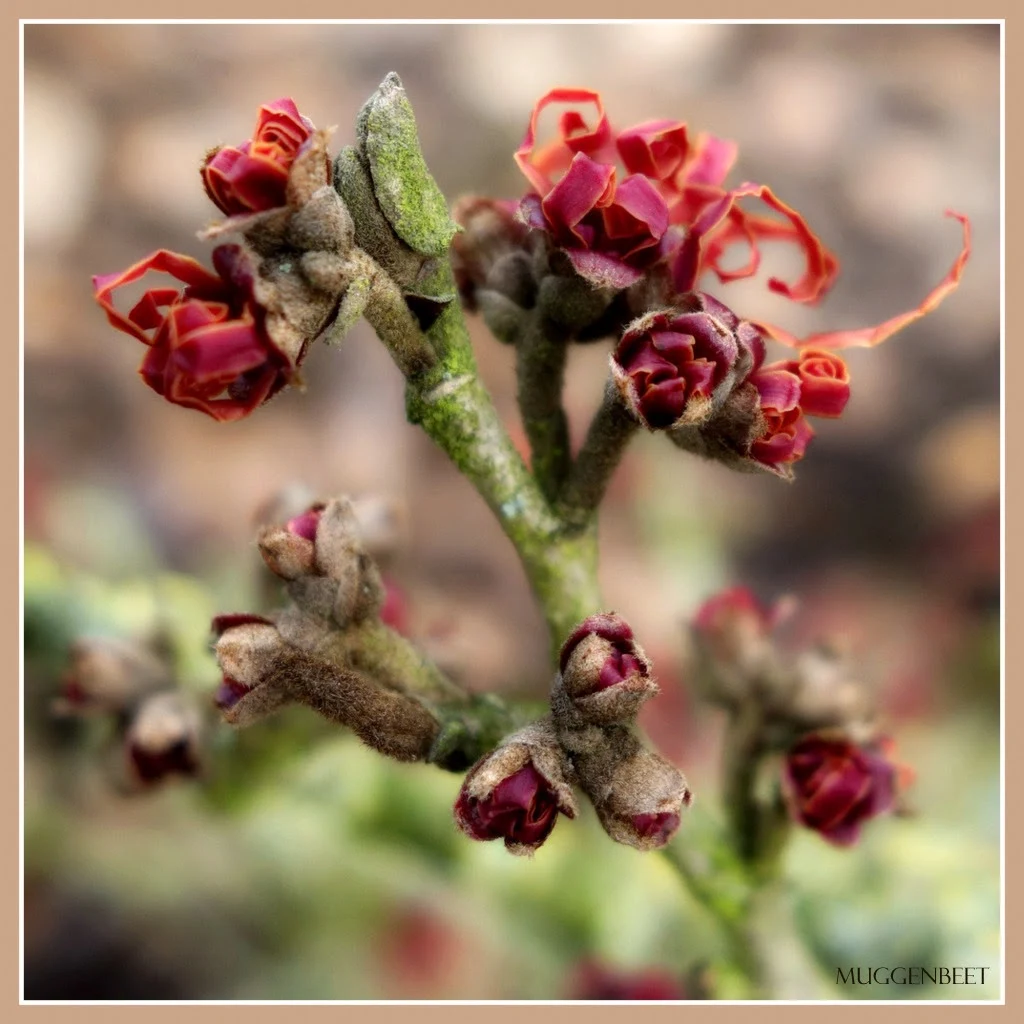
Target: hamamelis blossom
611, 230
209, 346
835, 785
673, 205
676, 366
253, 177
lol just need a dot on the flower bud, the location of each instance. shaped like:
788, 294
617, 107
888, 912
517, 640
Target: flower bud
245, 653
675, 367
732, 637
604, 674
490, 252
107, 675
263, 673
162, 738
253, 177
516, 792
834, 785
643, 801
289, 552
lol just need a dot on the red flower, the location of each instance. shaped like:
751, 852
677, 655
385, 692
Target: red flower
787, 431
824, 382
254, 176
209, 348
671, 365
521, 809
835, 785
611, 232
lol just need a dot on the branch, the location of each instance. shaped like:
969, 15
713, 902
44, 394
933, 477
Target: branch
610, 431
541, 351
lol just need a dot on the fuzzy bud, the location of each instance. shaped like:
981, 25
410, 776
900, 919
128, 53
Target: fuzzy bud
604, 674
516, 792
643, 802
162, 738
263, 673
490, 253
320, 552
731, 634
107, 675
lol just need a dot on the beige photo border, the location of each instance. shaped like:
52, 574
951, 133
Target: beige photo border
10, 427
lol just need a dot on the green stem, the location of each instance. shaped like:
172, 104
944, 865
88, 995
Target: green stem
610, 431
455, 410
541, 352
743, 751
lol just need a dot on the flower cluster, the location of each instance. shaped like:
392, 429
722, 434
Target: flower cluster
158, 729
622, 229
313, 650
838, 770
516, 792
224, 342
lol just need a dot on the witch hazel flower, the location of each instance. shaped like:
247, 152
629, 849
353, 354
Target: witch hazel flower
209, 343
253, 177
835, 785
675, 367
611, 231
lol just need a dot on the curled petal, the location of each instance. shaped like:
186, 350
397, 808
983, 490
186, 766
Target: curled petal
867, 337
710, 162
824, 383
692, 258
194, 275
575, 136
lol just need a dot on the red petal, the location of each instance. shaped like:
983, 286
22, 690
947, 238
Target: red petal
557, 155
655, 148
587, 185
220, 352
711, 161
692, 259
867, 337
184, 268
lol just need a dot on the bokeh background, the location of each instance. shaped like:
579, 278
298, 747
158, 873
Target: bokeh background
304, 866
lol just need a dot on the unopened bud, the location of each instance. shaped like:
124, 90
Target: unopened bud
605, 675
644, 801
162, 738
517, 791
106, 675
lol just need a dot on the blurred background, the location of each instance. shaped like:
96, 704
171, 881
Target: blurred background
305, 867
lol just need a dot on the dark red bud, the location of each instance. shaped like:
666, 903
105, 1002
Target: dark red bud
612, 628
305, 525
836, 785
521, 809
